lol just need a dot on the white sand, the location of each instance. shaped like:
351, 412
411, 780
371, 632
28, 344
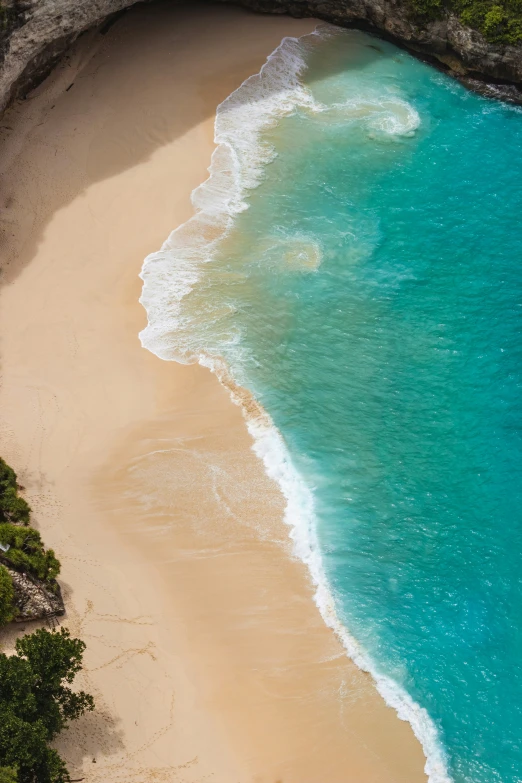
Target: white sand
206, 654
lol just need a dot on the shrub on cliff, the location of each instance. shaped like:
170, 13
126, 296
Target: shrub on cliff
27, 553
36, 703
499, 21
6, 600
12, 507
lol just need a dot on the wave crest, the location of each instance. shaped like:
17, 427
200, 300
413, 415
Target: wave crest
237, 165
169, 275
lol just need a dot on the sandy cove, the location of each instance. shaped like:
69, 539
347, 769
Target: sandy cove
206, 654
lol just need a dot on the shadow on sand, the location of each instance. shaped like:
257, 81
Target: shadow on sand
157, 37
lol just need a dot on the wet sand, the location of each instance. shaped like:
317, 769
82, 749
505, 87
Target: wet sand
206, 654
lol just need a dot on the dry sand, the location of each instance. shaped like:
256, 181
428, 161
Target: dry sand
206, 654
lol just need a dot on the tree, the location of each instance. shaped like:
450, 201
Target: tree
7, 476
54, 659
27, 552
8, 775
36, 703
7, 609
25, 745
12, 507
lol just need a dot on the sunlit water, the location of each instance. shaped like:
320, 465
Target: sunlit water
371, 297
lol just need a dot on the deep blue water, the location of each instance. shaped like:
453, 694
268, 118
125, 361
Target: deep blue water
371, 297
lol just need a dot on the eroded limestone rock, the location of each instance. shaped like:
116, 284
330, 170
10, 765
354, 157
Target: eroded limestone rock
33, 600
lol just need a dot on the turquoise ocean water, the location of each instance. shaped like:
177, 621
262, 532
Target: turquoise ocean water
356, 260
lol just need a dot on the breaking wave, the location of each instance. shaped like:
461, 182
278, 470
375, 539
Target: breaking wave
171, 274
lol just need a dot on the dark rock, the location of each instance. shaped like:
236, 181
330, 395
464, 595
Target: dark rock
35, 33
34, 600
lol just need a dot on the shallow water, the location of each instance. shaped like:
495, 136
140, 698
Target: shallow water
368, 290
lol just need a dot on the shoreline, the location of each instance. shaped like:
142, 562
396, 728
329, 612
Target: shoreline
206, 654
171, 273
270, 448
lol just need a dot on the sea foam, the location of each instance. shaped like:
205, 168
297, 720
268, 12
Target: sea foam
237, 166
170, 274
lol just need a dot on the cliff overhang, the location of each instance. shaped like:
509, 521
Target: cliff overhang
35, 33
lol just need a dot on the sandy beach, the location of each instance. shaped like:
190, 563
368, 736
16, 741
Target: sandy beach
206, 655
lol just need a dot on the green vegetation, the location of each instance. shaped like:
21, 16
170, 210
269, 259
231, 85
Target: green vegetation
36, 703
12, 507
4, 18
7, 611
27, 552
499, 21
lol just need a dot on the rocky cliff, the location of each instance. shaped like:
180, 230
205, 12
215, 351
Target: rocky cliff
34, 33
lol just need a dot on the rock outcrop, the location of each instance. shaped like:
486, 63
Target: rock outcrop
33, 599
34, 33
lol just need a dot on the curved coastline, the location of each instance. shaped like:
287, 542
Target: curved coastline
206, 652
171, 273
270, 447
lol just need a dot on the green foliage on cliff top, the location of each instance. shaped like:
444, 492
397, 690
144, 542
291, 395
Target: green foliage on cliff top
36, 703
27, 552
7, 611
13, 508
499, 21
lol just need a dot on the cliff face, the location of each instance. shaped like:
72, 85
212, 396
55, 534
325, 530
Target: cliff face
34, 33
